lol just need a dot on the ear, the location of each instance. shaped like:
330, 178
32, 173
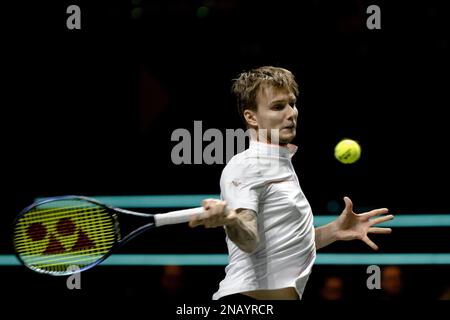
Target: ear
250, 117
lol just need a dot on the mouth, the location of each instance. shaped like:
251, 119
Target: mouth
290, 127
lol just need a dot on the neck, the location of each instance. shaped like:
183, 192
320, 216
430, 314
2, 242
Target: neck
262, 136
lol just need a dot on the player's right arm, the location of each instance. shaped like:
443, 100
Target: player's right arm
244, 232
240, 224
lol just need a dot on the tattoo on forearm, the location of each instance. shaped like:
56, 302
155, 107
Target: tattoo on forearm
245, 232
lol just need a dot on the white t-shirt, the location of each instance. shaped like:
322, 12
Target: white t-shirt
263, 179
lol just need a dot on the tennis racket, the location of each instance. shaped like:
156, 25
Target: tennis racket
69, 234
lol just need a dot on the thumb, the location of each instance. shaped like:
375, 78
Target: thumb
348, 204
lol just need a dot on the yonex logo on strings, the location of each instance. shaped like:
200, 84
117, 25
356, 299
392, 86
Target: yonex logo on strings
65, 227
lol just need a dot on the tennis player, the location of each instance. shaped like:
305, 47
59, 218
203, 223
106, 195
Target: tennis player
268, 221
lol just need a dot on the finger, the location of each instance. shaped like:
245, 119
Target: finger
381, 219
220, 208
212, 222
212, 205
206, 203
195, 222
192, 224
196, 217
376, 230
218, 211
212, 225
376, 212
348, 204
370, 243
206, 214
221, 215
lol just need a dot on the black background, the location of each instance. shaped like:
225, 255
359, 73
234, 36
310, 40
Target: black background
91, 112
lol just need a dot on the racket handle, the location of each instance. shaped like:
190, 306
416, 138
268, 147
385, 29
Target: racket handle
174, 217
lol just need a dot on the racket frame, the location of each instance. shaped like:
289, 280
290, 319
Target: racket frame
118, 241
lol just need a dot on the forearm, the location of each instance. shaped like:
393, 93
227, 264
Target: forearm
326, 235
244, 231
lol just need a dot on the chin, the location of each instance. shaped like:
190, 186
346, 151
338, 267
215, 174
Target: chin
285, 139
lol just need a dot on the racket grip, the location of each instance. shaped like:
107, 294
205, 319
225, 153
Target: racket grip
174, 217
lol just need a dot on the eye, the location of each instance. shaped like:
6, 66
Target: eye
278, 107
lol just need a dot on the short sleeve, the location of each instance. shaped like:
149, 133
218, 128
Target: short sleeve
241, 185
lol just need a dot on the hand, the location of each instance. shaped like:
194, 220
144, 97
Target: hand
215, 214
350, 226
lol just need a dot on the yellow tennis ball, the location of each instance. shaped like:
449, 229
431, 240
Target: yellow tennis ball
347, 151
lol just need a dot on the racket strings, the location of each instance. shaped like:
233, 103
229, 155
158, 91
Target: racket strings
89, 220
67, 233
35, 245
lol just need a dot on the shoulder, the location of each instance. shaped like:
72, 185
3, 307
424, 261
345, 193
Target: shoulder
253, 166
242, 164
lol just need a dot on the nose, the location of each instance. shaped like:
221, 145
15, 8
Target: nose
292, 112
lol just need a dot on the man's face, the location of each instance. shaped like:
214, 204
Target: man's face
276, 110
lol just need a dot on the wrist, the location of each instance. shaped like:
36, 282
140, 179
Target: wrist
333, 229
231, 222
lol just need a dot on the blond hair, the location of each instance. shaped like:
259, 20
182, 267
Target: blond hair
248, 84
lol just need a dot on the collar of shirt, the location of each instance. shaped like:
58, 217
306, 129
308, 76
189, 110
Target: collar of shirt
263, 148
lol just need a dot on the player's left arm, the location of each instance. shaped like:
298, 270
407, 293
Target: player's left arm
351, 226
